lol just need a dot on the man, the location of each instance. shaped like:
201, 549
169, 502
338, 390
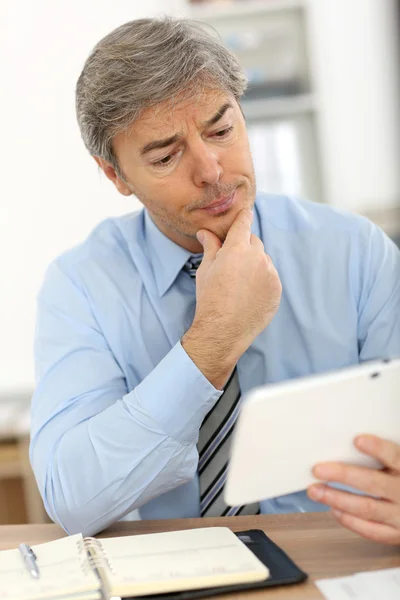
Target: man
134, 353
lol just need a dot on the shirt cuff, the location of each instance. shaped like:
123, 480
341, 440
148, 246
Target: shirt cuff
177, 395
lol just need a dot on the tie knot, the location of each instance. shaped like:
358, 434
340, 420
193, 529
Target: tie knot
192, 264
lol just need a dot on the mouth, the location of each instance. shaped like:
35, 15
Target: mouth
220, 205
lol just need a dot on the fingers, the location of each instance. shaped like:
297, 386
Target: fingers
386, 452
211, 244
378, 483
376, 532
240, 229
362, 507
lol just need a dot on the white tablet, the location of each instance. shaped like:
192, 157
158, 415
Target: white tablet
284, 429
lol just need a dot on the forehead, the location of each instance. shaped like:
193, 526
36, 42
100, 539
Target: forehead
176, 114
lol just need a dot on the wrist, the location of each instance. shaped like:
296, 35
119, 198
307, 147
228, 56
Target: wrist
216, 359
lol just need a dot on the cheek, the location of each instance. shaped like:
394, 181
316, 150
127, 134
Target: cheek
169, 194
238, 159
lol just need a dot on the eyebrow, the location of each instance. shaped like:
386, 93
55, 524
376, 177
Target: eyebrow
160, 144
175, 138
218, 115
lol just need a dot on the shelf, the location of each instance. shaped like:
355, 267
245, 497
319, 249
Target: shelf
10, 461
273, 108
20, 500
240, 8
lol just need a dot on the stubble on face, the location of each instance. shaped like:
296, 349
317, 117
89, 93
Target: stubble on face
186, 220
184, 224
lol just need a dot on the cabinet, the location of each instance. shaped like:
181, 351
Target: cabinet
20, 501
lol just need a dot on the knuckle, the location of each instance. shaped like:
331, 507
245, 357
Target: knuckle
256, 240
240, 248
268, 264
384, 485
369, 510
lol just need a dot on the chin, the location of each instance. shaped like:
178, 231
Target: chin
223, 223
220, 223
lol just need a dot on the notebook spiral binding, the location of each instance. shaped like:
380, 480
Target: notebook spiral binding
90, 561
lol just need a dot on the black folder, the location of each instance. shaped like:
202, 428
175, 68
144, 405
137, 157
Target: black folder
283, 570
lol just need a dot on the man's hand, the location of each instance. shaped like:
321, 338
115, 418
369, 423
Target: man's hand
375, 519
238, 292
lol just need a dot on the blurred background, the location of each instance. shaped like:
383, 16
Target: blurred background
323, 114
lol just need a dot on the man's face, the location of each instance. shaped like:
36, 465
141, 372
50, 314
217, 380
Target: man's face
189, 164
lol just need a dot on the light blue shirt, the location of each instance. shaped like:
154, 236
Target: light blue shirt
119, 403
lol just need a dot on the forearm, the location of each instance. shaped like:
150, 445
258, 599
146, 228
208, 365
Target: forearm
92, 471
110, 465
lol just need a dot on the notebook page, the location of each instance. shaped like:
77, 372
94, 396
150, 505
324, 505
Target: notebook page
61, 573
179, 560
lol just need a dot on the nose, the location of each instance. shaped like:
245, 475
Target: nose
206, 166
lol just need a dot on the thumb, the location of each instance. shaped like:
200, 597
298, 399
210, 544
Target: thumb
210, 242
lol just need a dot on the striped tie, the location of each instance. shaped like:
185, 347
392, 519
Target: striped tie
192, 265
214, 443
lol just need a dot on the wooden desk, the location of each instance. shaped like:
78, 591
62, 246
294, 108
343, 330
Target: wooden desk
314, 541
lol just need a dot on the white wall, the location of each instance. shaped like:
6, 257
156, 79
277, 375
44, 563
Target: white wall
52, 194
355, 54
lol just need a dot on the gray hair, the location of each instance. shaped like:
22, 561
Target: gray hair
139, 65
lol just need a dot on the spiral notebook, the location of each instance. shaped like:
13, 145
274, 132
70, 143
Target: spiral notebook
78, 568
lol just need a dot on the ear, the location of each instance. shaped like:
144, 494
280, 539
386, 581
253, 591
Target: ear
110, 172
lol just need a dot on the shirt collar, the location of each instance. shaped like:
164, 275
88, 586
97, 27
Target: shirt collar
168, 258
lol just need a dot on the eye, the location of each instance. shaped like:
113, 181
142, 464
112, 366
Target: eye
223, 132
167, 160
163, 162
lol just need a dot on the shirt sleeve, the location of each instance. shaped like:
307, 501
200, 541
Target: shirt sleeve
379, 300
99, 450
